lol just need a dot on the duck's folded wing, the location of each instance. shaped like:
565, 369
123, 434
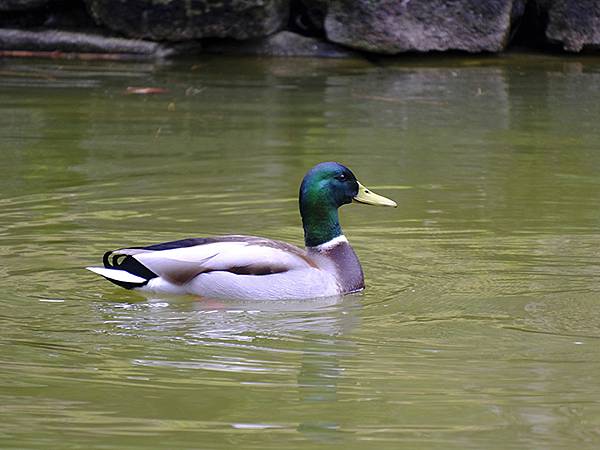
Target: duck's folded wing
245, 256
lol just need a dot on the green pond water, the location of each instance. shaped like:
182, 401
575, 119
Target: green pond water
480, 325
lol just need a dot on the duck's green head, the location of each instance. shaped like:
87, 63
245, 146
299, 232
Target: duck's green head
325, 188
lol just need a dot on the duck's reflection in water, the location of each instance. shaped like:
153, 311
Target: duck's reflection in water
299, 346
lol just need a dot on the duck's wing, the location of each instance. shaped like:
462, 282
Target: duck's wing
180, 261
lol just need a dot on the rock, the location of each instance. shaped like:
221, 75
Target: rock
395, 26
575, 24
20, 5
65, 41
70, 15
282, 44
178, 20
57, 14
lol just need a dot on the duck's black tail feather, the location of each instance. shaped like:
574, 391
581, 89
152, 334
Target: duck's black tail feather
120, 266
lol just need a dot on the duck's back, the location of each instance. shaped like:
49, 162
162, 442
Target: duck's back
245, 267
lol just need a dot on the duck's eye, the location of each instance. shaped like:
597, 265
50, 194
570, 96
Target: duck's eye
341, 177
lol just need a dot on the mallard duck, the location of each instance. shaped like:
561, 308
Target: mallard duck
249, 267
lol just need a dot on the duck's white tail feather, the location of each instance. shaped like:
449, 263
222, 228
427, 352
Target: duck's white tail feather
117, 275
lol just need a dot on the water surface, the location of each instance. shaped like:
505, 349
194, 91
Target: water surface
480, 324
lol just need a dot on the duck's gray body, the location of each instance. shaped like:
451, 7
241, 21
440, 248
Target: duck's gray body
240, 267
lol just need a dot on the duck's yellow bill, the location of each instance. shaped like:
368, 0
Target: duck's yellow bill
371, 198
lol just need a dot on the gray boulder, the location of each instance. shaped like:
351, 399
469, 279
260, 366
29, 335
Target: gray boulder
282, 44
575, 24
178, 20
395, 26
20, 5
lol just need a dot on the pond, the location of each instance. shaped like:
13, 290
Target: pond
480, 324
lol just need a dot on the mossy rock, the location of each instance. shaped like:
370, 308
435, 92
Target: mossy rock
573, 24
180, 20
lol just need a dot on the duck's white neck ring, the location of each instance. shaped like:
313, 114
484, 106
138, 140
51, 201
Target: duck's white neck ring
330, 244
